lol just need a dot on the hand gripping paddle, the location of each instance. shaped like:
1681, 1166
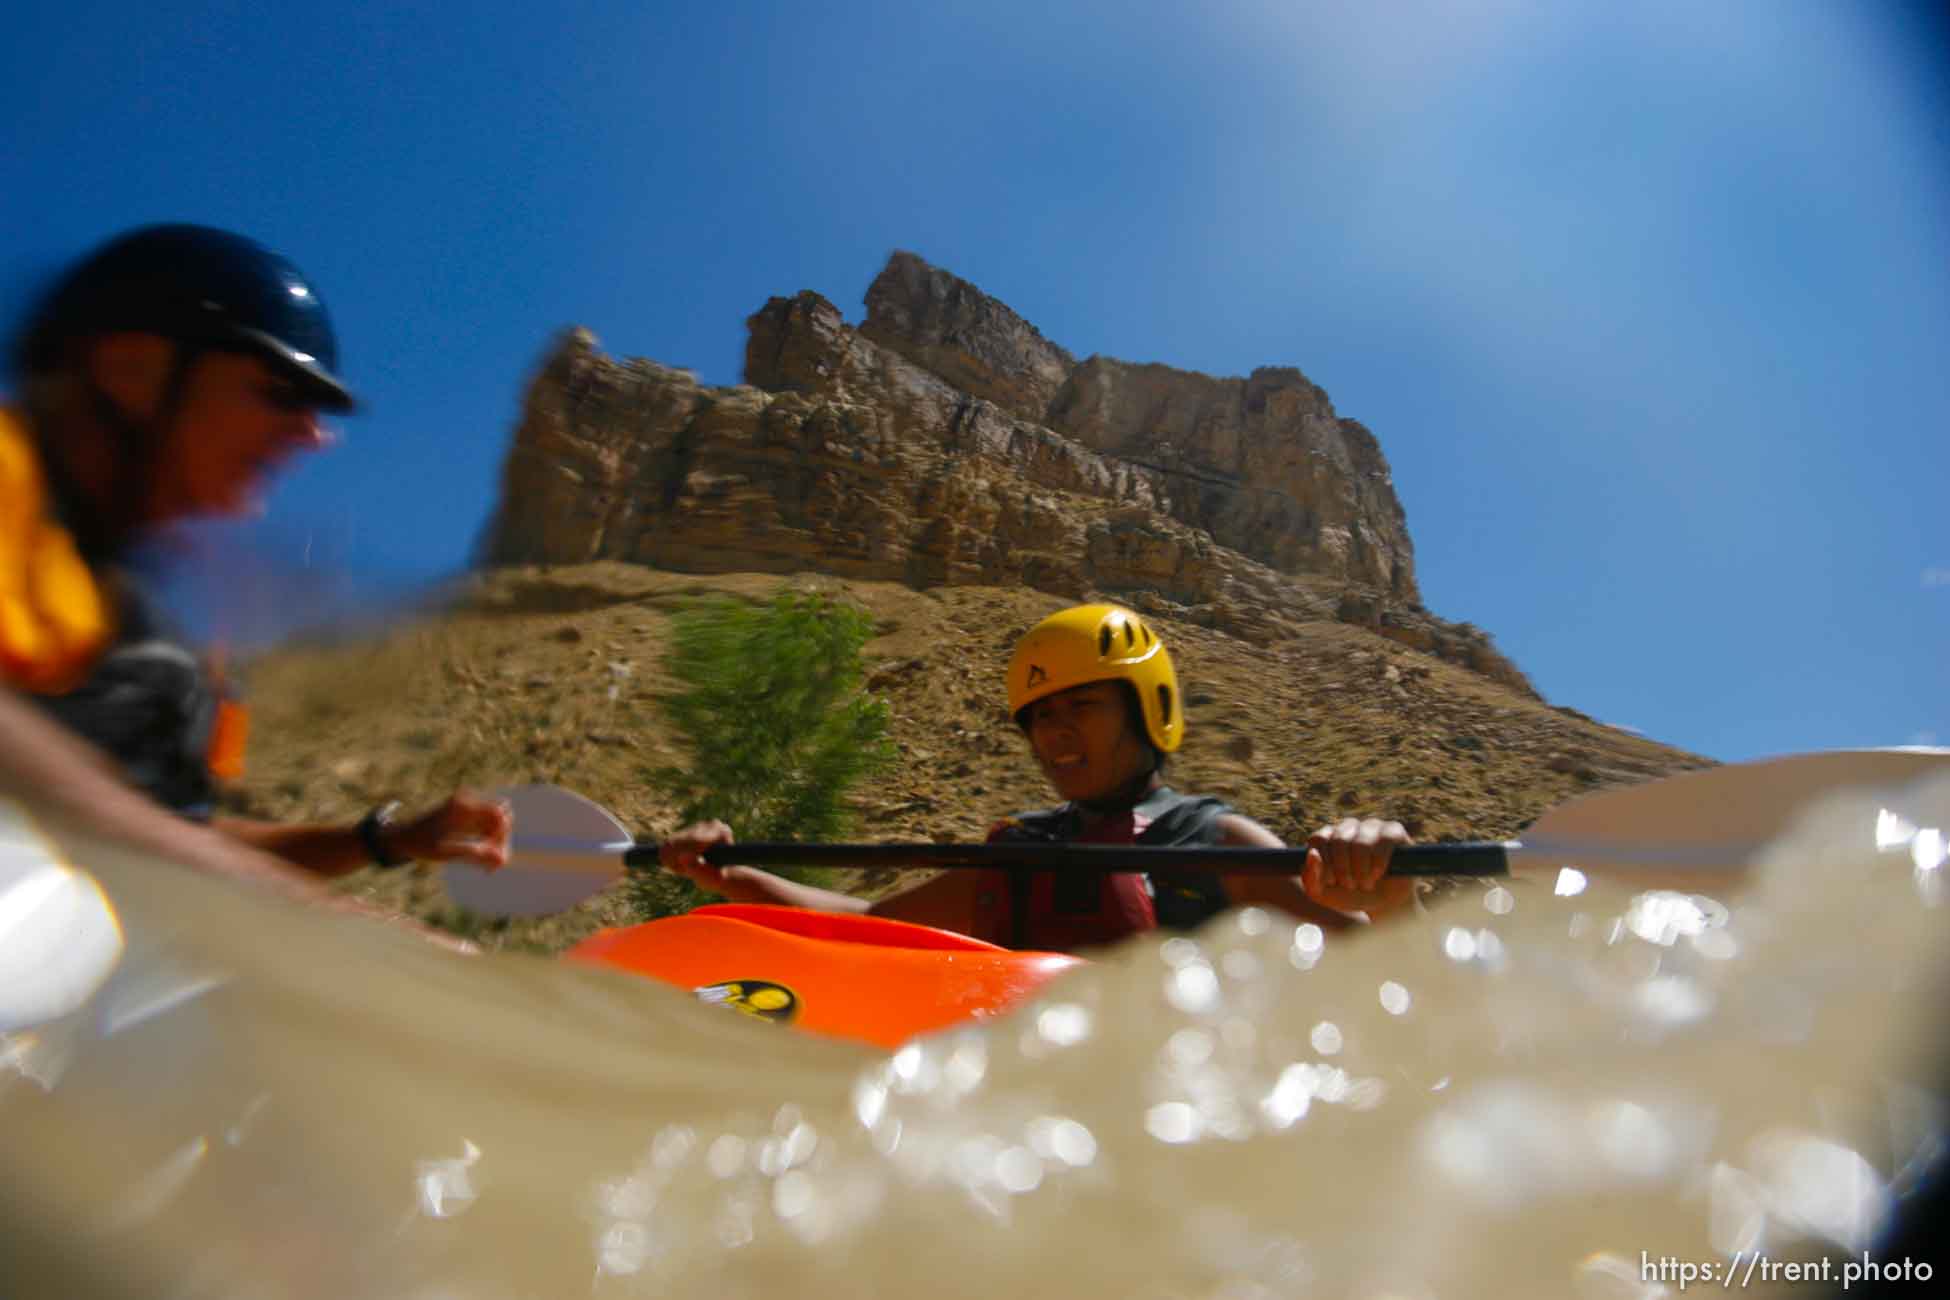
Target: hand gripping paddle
1698, 829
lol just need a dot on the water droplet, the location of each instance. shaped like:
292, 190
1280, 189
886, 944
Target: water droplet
1056, 1138
446, 1187
793, 1194
1219, 1115
623, 1249
1290, 1098
869, 1101
1018, 1170
1172, 1121
1240, 965
800, 1144
672, 1145
1193, 989
1189, 1047
726, 1155
967, 1063
1063, 1025
1673, 999
1180, 952
1893, 831
1073, 1144
974, 1159
1820, 1184
914, 1070
1716, 944
1661, 916
626, 1198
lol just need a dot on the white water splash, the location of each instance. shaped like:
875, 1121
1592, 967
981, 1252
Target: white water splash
1516, 1094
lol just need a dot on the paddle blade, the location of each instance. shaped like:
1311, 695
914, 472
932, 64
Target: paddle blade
565, 848
1700, 829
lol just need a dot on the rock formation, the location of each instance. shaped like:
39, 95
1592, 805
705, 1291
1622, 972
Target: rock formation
946, 325
947, 441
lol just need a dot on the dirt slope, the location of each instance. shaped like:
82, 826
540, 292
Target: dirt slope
551, 675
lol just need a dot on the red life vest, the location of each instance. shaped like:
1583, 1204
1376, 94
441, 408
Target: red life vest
1059, 911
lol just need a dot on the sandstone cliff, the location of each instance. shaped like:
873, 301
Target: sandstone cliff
946, 441
556, 676
946, 325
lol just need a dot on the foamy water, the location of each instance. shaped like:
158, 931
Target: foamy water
1517, 1093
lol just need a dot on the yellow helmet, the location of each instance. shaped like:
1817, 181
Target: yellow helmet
1099, 643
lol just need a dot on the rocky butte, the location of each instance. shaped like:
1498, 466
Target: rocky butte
945, 440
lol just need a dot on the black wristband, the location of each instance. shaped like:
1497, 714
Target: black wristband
371, 827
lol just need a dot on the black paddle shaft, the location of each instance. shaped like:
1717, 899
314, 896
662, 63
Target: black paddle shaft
1468, 858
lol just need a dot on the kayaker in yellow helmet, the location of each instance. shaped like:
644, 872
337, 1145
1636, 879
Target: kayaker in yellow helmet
163, 377
1094, 691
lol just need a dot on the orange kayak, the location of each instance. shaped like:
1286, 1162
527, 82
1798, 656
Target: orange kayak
861, 977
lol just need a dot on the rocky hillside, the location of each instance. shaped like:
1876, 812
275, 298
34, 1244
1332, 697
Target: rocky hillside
960, 476
946, 442
553, 675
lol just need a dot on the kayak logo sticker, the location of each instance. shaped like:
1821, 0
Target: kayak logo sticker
761, 999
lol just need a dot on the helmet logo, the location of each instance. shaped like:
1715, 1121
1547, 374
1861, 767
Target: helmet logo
1036, 676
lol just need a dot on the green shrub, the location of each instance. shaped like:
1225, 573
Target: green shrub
773, 710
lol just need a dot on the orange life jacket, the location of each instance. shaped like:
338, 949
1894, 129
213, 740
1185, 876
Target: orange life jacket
55, 619
99, 659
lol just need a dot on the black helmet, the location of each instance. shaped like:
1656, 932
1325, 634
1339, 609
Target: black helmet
202, 286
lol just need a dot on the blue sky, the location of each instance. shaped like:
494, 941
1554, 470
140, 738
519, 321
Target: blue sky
1649, 305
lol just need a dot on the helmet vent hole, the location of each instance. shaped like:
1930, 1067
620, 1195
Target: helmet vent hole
1103, 642
1164, 706
1130, 636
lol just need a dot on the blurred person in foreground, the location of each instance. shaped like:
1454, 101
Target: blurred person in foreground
162, 378
1094, 692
